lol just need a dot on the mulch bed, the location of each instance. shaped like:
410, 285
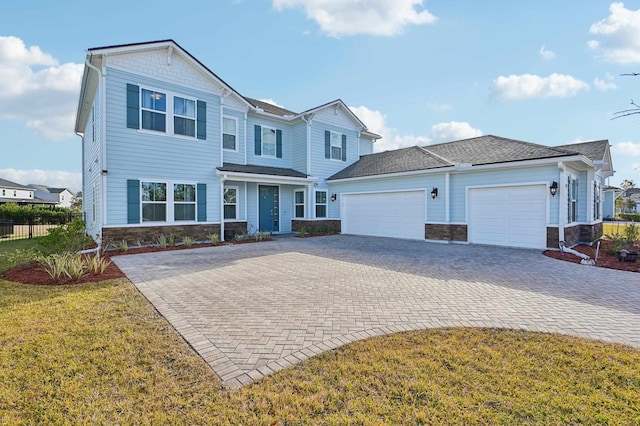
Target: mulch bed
34, 273
605, 260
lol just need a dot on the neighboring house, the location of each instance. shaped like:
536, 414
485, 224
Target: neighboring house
62, 197
631, 197
169, 147
11, 192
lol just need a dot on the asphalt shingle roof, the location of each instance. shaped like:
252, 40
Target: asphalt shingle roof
487, 149
592, 150
260, 170
8, 184
270, 108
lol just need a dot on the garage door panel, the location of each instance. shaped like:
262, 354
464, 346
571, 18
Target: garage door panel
510, 216
384, 214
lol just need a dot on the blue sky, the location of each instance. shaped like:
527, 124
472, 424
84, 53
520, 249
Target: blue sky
417, 72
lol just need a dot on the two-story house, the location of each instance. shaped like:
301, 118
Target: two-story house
169, 147
61, 197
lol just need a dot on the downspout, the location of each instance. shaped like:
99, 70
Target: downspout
245, 139
223, 178
103, 152
446, 198
307, 212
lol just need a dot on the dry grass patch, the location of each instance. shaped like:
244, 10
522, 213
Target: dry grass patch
100, 354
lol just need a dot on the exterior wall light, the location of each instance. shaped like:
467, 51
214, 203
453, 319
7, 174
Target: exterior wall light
334, 197
553, 189
434, 192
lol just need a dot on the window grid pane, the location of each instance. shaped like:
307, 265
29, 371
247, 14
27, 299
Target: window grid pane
268, 142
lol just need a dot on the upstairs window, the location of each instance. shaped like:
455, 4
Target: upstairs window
229, 132
335, 146
184, 116
268, 142
154, 110
165, 112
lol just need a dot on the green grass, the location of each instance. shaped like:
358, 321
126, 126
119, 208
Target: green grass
100, 354
609, 228
7, 247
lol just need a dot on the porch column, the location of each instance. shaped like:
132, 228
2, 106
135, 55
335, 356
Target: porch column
310, 200
562, 201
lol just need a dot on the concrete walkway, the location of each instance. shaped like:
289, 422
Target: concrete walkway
253, 309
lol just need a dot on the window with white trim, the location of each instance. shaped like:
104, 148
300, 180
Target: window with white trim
229, 133
153, 106
572, 200
336, 146
321, 203
93, 125
230, 203
298, 200
268, 141
184, 116
184, 202
154, 202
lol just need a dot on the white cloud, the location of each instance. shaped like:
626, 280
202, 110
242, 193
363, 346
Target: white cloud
628, 148
604, 85
621, 35
526, 86
453, 130
376, 122
53, 178
373, 17
546, 54
36, 89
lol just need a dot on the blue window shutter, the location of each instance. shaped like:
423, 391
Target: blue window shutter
327, 144
201, 195
133, 201
133, 106
344, 147
202, 120
279, 143
258, 139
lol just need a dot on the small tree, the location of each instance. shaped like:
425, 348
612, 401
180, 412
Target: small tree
76, 201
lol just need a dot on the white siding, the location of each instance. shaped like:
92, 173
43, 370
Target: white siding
366, 146
336, 117
236, 157
299, 141
287, 149
322, 167
91, 168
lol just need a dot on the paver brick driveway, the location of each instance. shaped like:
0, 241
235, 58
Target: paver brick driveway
253, 309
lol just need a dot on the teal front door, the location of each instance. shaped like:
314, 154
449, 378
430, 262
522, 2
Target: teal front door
269, 211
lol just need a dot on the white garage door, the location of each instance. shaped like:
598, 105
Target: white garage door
512, 216
384, 214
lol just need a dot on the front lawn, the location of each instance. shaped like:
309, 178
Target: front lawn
100, 354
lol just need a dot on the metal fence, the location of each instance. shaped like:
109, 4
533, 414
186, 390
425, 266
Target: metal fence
22, 225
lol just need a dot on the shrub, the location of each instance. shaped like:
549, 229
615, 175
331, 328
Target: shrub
633, 217
162, 241
329, 229
69, 264
261, 236
187, 241
67, 238
213, 238
303, 232
313, 230
22, 256
122, 245
97, 264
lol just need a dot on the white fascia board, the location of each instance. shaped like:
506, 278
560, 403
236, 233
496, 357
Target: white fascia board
283, 118
88, 87
175, 50
480, 167
253, 177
